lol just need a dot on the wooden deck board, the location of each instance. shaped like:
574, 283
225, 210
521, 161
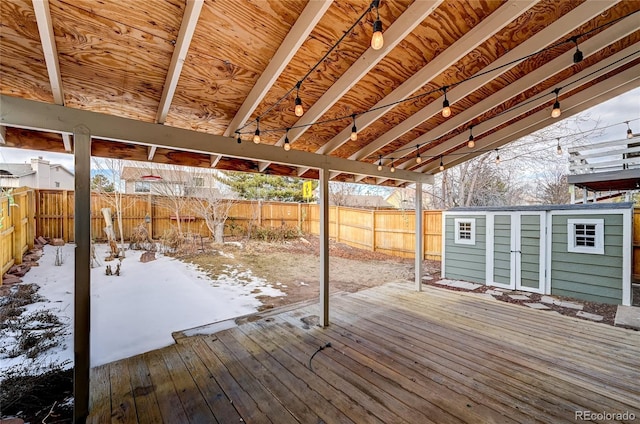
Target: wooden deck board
396, 356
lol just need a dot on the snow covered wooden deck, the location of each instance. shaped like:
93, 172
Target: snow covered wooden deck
396, 356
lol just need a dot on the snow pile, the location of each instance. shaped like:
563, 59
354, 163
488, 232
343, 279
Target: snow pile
138, 310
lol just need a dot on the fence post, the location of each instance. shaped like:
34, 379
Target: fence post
150, 215
337, 223
31, 219
65, 216
373, 230
16, 220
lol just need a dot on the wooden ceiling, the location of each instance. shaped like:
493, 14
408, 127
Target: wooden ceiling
213, 66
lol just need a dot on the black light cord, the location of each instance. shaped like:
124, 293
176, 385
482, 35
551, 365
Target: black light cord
316, 352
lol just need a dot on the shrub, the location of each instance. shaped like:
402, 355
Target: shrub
276, 233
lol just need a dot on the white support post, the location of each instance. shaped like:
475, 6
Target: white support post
572, 192
82, 300
419, 237
324, 247
585, 195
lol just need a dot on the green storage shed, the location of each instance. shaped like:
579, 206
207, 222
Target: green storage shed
581, 251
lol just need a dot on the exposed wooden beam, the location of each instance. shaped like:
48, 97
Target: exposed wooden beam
542, 39
585, 99
66, 142
47, 39
29, 114
214, 160
187, 28
151, 151
476, 36
298, 33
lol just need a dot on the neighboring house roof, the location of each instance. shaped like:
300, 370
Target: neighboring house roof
363, 201
16, 170
132, 173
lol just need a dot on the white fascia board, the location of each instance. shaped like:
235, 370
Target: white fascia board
40, 116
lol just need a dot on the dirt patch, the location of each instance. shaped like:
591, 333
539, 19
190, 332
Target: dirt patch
294, 267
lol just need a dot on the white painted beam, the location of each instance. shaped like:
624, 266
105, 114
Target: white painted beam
476, 36
214, 160
40, 116
411, 18
537, 42
625, 56
3, 135
151, 151
48, 41
585, 99
187, 28
66, 142
298, 33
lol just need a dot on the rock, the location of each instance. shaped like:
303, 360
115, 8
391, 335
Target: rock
41, 240
587, 315
537, 306
518, 297
11, 279
11, 421
19, 270
148, 257
57, 242
304, 240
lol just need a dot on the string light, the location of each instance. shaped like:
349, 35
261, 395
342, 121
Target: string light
354, 130
559, 149
256, 135
497, 157
377, 40
287, 145
380, 163
556, 112
418, 158
446, 110
239, 139
441, 164
471, 143
629, 132
577, 56
299, 111
393, 168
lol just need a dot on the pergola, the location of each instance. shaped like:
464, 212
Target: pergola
183, 82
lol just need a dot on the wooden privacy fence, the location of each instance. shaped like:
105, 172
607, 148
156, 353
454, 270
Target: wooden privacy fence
387, 231
50, 213
17, 229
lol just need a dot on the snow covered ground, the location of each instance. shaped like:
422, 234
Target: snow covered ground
138, 310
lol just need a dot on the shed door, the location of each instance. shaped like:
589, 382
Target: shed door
515, 258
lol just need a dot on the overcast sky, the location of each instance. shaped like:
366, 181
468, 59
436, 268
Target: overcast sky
614, 112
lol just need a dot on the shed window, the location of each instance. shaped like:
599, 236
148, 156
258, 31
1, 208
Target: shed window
142, 187
465, 231
585, 236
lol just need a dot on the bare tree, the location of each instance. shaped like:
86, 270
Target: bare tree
113, 192
213, 206
553, 188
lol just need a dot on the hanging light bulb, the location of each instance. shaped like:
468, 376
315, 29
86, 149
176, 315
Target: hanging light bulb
393, 168
354, 130
380, 164
418, 158
256, 135
497, 157
577, 56
446, 110
287, 145
239, 139
629, 132
471, 142
377, 40
556, 112
441, 164
299, 111
559, 149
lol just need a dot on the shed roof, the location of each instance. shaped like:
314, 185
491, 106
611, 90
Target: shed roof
525, 208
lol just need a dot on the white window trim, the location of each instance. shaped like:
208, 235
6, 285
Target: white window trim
598, 249
457, 222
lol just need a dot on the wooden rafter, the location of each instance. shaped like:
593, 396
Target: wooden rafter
598, 93
292, 42
47, 38
469, 41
